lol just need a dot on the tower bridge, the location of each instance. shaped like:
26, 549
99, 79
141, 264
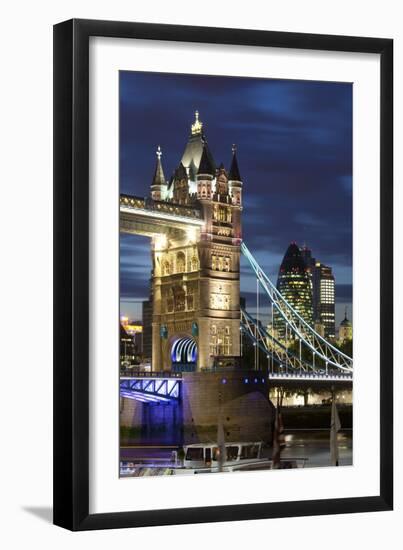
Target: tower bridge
194, 223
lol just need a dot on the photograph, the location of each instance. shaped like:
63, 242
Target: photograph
199, 226
236, 274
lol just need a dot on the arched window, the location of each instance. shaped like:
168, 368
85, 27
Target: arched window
194, 263
166, 269
180, 262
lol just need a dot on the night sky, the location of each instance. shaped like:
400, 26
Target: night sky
294, 147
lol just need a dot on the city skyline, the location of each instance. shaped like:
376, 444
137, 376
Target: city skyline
294, 153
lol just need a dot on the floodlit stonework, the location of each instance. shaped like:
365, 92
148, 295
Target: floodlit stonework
195, 274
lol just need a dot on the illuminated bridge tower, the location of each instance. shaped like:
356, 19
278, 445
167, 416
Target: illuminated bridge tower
195, 279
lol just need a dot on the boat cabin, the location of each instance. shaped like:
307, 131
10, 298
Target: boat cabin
206, 455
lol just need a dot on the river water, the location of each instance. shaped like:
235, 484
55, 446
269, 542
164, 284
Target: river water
311, 445
314, 445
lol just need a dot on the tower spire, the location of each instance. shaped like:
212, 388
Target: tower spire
159, 177
234, 174
159, 184
206, 165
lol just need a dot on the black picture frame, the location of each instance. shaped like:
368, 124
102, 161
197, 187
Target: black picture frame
71, 274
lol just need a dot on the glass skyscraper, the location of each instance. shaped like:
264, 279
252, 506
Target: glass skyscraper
295, 284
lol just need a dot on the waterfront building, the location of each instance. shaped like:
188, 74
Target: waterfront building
273, 333
147, 315
127, 348
131, 327
319, 328
345, 329
135, 330
295, 284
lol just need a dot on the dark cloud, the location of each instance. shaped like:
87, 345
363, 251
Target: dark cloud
295, 156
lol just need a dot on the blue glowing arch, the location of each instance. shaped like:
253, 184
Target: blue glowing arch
184, 351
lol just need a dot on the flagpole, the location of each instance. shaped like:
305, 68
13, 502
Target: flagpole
335, 427
276, 447
278, 434
220, 436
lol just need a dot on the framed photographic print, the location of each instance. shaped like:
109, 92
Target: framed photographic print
223, 274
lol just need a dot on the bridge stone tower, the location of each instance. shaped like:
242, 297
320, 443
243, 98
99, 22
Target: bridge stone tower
195, 278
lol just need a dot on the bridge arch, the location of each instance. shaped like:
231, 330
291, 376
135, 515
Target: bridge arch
183, 353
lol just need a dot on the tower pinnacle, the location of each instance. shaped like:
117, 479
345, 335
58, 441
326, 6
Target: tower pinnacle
234, 170
159, 177
197, 126
206, 165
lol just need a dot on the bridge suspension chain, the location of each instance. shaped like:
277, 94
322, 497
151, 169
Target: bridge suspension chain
273, 348
300, 330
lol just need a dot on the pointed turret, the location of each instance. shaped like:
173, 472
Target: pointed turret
206, 164
159, 177
158, 186
234, 174
235, 179
346, 322
205, 175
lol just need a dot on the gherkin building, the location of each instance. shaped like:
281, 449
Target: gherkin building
295, 284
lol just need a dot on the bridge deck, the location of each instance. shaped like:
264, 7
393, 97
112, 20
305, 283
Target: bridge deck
145, 216
290, 376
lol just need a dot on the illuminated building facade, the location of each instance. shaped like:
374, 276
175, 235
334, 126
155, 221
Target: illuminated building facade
135, 331
195, 277
147, 314
127, 348
324, 298
345, 329
132, 328
323, 294
295, 284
